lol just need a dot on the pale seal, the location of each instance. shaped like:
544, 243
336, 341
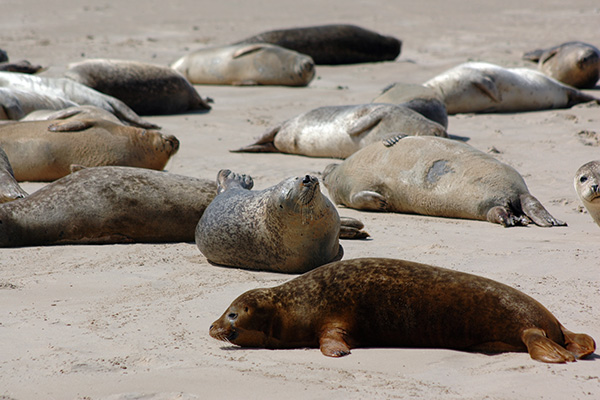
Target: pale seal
478, 87
573, 63
333, 44
108, 205
45, 150
587, 186
148, 89
339, 131
59, 90
246, 64
9, 188
290, 227
378, 302
434, 176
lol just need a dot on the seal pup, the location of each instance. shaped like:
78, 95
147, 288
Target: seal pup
69, 91
477, 87
339, 131
333, 44
573, 63
45, 150
434, 176
416, 97
378, 302
71, 113
587, 186
246, 64
290, 227
9, 188
148, 89
108, 205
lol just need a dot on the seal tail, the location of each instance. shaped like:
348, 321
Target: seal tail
536, 211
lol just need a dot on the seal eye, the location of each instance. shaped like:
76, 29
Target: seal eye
232, 316
583, 179
245, 309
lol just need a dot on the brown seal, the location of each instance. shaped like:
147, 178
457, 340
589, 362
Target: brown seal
376, 302
434, 176
71, 113
9, 188
587, 186
148, 89
45, 150
333, 44
108, 205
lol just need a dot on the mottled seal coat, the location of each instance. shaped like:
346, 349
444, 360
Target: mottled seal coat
587, 186
45, 150
66, 90
573, 63
333, 44
9, 188
246, 64
434, 176
72, 113
339, 131
108, 205
377, 302
147, 88
478, 87
419, 98
290, 227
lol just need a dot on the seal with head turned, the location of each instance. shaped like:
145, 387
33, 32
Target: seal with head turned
573, 63
290, 227
587, 186
434, 176
246, 64
477, 87
339, 131
377, 302
108, 205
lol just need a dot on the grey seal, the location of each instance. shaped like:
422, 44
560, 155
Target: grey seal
587, 186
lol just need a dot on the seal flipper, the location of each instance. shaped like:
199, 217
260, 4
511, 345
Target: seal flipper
488, 87
265, 144
71, 125
332, 342
124, 113
367, 122
541, 348
579, 344
351, 228
533, 55
536, 211
368, 200
9, 187
227, 179
503, 216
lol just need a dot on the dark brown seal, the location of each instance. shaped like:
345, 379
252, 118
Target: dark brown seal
375, 302
333, 44
108, 205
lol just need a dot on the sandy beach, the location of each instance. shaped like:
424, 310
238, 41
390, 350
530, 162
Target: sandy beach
123, 321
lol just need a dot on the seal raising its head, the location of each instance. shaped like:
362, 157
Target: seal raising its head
587, 185
376, 302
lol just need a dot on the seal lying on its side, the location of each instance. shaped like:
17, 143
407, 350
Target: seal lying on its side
339, 131
108, 205
333, 44
572, 63
45, 150
477, 87
9, 188
72, 113
587, 186
246, 64
378, 302
290, 227
15, 104
147, 88
434, 176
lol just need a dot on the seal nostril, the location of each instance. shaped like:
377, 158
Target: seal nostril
306, 179
211, 327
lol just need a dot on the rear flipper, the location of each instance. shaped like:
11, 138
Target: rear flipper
351, 228
536, 211
368, 200
227, 179
265, 144
579, 344
542, 349
505, 217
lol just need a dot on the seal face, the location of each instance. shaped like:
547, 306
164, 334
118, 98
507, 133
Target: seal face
477, 87
147, 88
107, 205
376, 302
290, 227
246, 64
434, 176
587, 186
339, 131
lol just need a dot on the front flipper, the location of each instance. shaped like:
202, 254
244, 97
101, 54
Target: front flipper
71, 125
351, 228
227, 179
503, 216
367, 122
368, 200
488, 87
536, 211
578, 344
332, 342
543, 349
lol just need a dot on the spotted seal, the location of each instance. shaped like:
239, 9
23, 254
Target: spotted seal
587, 186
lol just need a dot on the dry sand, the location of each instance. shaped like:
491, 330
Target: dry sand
91, 322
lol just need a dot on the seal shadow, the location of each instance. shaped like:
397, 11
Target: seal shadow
457, 137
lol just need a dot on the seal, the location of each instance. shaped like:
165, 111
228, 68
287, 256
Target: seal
416, 97
45, 150
573, 63
434, 176
339, 131
9, 188
333, 44
148, 89
72, 113
477, 87
22, 66
108, 205
15, 104
587, 186
378, 302
290, 227
67, 91
246, 64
